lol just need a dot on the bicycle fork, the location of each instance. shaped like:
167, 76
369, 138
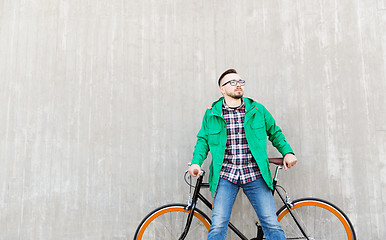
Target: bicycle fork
188, 220
190, 207
288, 204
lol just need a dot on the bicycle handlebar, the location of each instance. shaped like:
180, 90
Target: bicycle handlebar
277, 161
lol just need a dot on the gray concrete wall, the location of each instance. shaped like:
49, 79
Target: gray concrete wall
101, 101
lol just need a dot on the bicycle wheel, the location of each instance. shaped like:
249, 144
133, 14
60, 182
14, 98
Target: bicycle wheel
318, 218
168, 222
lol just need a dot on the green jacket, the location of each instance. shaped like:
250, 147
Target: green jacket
258, 124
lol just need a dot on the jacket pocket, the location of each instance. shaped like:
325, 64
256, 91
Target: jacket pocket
258, 128
214, 136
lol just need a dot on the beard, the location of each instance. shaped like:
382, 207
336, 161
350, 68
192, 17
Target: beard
236, 94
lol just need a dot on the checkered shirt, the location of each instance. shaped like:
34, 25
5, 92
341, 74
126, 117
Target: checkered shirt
238, 163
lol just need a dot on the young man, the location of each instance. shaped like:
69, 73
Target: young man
235, 131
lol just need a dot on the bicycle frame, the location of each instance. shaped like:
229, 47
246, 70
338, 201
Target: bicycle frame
197, 195
326, 219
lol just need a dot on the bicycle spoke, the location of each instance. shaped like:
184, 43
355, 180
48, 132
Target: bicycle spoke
318, 219
168, 223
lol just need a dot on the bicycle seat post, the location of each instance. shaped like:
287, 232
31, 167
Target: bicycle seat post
276, 178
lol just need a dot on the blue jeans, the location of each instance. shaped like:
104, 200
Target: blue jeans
259, 195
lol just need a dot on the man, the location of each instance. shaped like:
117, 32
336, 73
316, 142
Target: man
235, 131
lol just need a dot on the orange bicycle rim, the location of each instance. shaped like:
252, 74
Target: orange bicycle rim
322, 205
170, 209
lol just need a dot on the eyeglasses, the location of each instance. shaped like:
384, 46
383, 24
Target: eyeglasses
234, 82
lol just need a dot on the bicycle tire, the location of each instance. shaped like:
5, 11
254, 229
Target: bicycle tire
320, 219
168, 222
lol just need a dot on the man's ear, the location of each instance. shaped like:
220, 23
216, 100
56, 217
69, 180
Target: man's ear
222, 90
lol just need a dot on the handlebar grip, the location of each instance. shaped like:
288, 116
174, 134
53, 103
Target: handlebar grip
277, 161
195, 171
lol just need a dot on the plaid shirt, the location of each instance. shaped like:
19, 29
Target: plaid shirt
238, 163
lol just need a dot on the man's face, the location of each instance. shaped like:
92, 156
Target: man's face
227, 89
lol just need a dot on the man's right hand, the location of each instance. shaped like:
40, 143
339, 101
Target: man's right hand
194, 170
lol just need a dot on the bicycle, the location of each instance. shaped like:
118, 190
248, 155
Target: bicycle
303, 218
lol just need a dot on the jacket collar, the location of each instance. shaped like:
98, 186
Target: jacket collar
217, 105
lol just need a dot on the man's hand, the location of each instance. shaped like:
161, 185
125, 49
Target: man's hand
194, 170
289, 160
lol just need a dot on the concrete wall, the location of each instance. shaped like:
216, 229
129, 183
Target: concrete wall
101, 101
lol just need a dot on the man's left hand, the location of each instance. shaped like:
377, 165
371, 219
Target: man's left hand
289, 160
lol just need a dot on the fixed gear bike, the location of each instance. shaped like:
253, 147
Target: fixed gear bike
304, 218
